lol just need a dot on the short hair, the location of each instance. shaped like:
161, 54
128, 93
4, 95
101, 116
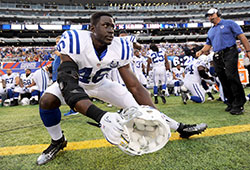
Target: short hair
96, 17
27, 69
154, 48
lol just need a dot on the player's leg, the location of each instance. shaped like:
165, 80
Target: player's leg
207, 89
113, 93
176, 87
34, 95
51, 116
156, 79
163, 79
198, 93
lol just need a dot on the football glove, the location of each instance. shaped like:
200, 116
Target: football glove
111, 126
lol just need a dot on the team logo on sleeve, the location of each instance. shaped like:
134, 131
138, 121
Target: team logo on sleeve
114, 64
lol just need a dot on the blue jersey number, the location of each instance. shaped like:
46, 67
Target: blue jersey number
189, 69
157, 57
26, 82
9, 80
86, 72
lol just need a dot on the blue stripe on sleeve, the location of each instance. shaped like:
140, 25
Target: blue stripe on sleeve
123, 49
127, 50
70, 42
77, 42
132, 38
42, 79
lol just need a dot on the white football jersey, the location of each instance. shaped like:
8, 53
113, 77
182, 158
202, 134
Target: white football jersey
26, 80
178, 73
41, 78
131, 38
137, 63
78, 45
169, 75
192, 73
10, 80
158, 58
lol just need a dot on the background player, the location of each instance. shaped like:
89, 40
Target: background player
10, 83
160, 64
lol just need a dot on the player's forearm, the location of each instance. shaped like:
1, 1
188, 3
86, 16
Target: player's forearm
142, 96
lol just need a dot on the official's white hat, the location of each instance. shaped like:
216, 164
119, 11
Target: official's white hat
212, 11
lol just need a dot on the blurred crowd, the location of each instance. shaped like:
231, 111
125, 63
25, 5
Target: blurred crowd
27, 54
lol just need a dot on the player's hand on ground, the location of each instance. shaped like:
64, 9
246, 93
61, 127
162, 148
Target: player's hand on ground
111, 127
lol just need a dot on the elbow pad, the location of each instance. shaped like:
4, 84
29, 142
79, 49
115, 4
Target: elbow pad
203, 74
68, 80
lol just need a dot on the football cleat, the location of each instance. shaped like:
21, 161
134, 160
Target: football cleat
156, 100
14, 102
34, 102
71, 112
186, 130
50, 153
184, 97
163, 99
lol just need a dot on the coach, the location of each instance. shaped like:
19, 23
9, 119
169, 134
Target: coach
222, 37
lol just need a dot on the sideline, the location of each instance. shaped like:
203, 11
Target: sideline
32, 149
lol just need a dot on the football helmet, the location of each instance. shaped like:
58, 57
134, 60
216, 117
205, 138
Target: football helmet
25, 101
145, 130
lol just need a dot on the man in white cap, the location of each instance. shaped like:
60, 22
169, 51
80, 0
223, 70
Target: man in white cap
222, 37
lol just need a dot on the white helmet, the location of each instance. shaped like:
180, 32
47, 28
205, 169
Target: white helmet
25, 101
145, 130
6, 102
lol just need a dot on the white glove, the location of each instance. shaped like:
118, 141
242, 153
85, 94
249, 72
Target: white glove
111, 127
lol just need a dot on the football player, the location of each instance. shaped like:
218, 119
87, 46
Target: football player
178, 76
41, 79
138, 67
10, 83
87, 56
28, 90
160, 64
195, 73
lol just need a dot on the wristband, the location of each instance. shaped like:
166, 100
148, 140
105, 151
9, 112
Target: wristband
95, 113
248, 51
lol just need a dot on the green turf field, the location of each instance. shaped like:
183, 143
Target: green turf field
21, 126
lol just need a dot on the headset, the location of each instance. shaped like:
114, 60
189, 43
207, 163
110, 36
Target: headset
218, 12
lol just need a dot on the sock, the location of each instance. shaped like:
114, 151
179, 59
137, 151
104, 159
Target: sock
51, 119
155, 90
175, 89
172, 123
16, 95
55, 132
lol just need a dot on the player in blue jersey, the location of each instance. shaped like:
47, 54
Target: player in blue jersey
87, 56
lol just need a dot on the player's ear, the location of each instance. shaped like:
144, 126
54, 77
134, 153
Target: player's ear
92, 28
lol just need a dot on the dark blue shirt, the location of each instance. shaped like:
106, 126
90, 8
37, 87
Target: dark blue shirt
223, 35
